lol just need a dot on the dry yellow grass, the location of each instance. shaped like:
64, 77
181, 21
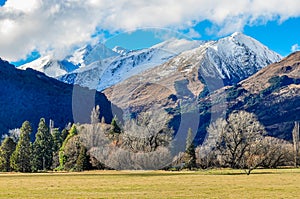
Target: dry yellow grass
283, 183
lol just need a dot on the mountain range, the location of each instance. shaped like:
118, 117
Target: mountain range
196, 81
102, 74
211, 65
80, 58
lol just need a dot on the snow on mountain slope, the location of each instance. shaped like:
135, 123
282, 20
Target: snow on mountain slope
80, 58
86, 77
236, 57
212, 65
89, 54
231, 59
120, 50
117, 69
50, 66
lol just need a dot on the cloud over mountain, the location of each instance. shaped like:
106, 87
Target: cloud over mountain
58, 25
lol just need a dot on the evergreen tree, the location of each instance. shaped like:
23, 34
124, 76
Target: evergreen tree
57, 139
62, 154
64, 134
7, 148
42, 148
114, 126
20, 159
72, 131
82, 162
95, 115
190, 160
71, 153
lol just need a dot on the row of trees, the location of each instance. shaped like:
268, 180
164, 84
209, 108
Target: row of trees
24, 156
145, 142
140, 143
45, 153
240, 142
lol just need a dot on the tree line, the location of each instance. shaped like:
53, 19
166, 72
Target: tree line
145, 142
22, 155
239, 142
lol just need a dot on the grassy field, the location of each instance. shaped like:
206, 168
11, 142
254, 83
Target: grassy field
282, 183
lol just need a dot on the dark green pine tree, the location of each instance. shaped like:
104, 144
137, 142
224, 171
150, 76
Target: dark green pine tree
21, 158
64, 134
190, 160
115, 129
7, 148
42, 148
57, 139
82, 162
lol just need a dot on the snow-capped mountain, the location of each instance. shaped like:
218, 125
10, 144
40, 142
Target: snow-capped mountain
230, 59
49, 66
89, 54
120, 50
102, 74
79, 59
236, 57
212, 65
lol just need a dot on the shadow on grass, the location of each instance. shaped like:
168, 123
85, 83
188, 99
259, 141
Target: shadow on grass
146, 173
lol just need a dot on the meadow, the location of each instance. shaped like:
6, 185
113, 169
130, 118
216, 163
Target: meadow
221, 183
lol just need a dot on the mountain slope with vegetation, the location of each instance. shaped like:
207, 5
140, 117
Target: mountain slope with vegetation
30, 95
272, 94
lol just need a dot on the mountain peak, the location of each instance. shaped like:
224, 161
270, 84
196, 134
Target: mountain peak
81, 57
2, 61
176, 46
91, 53
242, 38
237, 34
120, 50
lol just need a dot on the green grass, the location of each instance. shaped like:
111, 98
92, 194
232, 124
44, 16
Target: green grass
223, 183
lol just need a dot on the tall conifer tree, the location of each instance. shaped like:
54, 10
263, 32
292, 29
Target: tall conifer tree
42, 148
20, 159
7, 148
190, 160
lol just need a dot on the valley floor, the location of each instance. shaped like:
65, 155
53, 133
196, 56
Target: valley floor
279, 183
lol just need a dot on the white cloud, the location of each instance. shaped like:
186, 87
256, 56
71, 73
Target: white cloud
295, 47
193, 34
25, 6
58, 25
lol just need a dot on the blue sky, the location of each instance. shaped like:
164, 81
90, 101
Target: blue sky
279, 37
40, 27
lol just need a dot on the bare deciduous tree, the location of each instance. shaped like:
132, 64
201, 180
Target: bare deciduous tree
235, 138
277, 152
94, 135
143, 143
95, 115
147, 132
